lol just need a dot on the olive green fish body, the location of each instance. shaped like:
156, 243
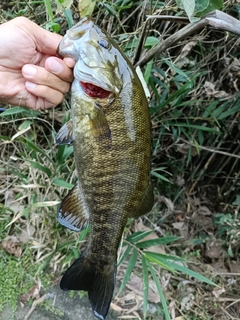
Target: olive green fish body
110, 130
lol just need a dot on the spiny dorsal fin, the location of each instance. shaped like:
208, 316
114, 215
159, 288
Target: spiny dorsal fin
65, 134
73, 213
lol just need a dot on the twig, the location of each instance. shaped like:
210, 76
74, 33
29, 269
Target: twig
216, 19
211, 150
35, 303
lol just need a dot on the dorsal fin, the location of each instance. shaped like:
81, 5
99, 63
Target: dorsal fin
73, 212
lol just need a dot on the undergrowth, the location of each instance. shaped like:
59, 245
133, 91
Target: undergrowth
195, 108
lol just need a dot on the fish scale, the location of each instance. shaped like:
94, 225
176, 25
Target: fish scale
111, 134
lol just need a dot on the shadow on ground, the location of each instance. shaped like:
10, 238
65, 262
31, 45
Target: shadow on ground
57, 306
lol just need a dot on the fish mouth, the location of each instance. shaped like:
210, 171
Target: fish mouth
94, 91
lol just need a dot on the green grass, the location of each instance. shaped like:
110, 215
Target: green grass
195, 147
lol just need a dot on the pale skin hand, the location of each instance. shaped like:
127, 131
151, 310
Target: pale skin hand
31, 74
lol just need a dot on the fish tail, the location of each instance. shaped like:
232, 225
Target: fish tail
85, 275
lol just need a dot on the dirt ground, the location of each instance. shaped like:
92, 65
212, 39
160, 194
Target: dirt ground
57, 305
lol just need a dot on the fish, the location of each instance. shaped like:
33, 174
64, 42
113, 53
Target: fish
110, 131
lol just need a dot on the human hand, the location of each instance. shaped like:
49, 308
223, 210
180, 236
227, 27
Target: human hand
31, 74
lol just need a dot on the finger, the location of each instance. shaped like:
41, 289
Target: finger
63, 69
69, 62
47, 95
41, 76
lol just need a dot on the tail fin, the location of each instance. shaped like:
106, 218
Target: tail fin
84, 275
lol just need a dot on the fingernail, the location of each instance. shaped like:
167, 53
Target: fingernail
55, 66
30, 85
29, 70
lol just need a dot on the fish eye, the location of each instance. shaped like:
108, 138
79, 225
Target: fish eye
103, 43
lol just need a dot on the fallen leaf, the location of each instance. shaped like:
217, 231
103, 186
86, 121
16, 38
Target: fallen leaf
26, 233
11, 245
33, 293
12, 203
217, 292
136, 285
203, 210
212, 92
187, 49
214, 250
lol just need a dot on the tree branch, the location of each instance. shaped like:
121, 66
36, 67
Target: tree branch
216, 19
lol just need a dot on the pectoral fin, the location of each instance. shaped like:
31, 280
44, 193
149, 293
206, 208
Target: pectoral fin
100, 128
65, 134
146, 204
73, 213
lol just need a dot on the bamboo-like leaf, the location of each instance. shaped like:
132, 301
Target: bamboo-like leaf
145, 286
191, 273
136, 236
155, 242
161, 262
162, 298
125, 254
131, 265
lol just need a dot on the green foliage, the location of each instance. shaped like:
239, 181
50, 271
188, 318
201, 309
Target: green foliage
228, 229
17, 275
198, 8
182, 116
151, 261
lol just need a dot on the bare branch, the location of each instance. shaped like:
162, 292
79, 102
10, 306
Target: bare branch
216, 19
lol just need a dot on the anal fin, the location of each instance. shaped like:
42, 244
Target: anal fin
65, 134
73, 212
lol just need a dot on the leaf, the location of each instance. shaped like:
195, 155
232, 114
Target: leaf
62, 183
45, 204
161, 262
86, 7
159, 176
48, 9
213, 5
69, 17
41, 168
155, 242
131, 265
162, 298
11, 244
15, 110
201, 5
125, 254
237, 201
192, 273
145, 286
136, 236
189, 7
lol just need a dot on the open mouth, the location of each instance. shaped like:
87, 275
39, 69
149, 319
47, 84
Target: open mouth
94, 91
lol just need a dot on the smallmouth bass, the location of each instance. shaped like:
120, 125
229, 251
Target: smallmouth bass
111, 134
